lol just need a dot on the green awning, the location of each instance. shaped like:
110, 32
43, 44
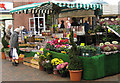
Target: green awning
46, 7
25, 7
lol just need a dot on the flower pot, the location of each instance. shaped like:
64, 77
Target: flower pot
75, 75
55, 71
3, 55
41, 67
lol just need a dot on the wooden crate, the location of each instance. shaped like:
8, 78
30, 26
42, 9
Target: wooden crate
35, 61
20, 60
26, 63
28, 59
35, 66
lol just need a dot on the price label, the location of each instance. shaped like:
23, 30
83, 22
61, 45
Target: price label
108, 30
59, 38
38, 53
41, 49
25, 37
68, 35
82, 44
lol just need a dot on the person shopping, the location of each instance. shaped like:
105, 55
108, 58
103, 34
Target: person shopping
14, 45
7, 37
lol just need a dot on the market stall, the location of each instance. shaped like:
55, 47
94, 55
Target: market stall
59, 54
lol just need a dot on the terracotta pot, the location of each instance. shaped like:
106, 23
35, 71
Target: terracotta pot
75, 75
41, 68
55, 71
3, 55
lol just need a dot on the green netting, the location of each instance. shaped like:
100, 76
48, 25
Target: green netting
27, 54
96, 66
93, 67
118, 62
111, 64
62, 56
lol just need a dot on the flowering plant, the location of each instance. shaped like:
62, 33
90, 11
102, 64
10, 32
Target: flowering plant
58, 45
107, 43
114, 42
63, 69
48, 66
62, 66
56, 62
41, 59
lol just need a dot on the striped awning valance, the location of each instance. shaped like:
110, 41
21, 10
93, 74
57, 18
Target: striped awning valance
79, 5
44, 9
47, 7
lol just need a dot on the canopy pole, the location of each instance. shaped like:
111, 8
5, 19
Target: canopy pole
44, 20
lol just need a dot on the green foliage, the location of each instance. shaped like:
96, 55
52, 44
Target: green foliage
51, 47
106, 39
48, 65
75, 61
47, 46
2, 50
41, 58
89, 48
4, 42
73, 50
98, 28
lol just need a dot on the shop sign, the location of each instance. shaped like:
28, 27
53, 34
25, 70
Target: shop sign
2, 6
6, 6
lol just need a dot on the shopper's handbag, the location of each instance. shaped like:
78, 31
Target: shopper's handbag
15, 54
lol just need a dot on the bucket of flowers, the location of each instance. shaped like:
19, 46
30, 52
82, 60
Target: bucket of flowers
63, 69
56, 62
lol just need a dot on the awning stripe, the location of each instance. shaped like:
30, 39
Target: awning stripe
37, 7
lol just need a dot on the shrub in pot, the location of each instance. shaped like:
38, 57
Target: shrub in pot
75, 65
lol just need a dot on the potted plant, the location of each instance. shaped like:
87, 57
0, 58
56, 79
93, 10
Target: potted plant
4, 43
3, 53
56, 62
48, 66
41, 59
75, 65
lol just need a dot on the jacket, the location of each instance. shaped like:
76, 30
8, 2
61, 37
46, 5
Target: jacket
7, 36
14, 40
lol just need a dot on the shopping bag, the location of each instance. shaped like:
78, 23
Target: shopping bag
15, 54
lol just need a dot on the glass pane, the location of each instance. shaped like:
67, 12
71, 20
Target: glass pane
41, 22
31, 23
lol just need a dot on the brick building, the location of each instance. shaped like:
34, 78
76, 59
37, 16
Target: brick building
23, 19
